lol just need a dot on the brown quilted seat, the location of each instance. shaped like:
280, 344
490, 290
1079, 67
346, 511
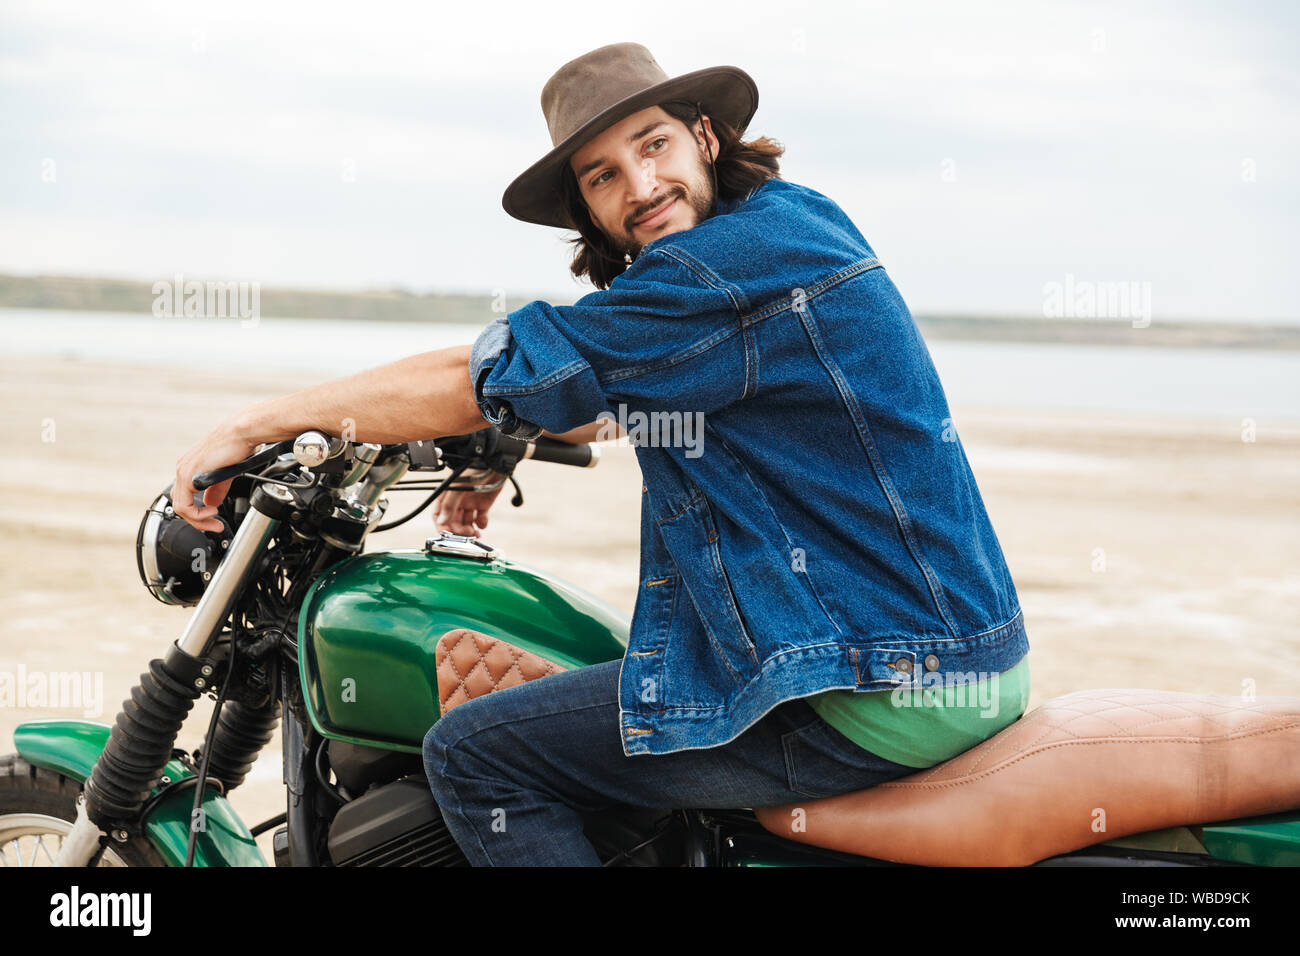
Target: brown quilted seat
1081, 769
471, 664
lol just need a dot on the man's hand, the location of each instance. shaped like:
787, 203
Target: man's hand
423, 396
224, 446
600, 430
459, 511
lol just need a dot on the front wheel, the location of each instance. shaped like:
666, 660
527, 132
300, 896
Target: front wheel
37, 810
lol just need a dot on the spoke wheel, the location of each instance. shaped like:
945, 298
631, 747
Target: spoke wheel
37, 810
34, 839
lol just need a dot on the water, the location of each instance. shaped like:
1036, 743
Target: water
328, 347
1226, 383
1223, 383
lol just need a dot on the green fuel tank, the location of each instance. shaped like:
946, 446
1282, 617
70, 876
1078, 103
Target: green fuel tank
369, 624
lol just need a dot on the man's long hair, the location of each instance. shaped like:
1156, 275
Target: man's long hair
739, 167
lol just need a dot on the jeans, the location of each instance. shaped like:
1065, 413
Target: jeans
514, 770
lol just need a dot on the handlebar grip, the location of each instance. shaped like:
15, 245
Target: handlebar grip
562, 453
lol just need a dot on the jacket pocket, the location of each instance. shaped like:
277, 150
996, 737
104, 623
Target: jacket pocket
692, 539
715, 554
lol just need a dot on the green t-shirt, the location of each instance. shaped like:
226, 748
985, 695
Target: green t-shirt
920, 727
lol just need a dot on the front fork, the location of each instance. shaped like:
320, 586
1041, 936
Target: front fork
141, 742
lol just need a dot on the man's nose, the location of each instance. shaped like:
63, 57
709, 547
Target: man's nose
643, 181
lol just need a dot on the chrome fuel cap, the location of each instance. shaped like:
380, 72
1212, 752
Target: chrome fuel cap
460, 546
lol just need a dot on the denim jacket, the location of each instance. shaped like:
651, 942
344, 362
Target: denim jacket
809, 520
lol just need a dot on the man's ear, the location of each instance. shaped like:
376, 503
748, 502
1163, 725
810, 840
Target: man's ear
710, 138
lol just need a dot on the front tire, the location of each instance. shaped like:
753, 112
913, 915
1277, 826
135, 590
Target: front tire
37, 810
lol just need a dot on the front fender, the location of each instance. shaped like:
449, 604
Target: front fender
71, 747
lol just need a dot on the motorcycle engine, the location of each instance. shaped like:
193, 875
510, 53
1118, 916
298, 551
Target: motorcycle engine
175, 559
397, 824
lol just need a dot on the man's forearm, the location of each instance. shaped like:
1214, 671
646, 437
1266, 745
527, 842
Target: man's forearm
601, 430
424, 396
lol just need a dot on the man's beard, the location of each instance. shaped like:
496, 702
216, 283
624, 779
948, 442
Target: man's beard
700, 199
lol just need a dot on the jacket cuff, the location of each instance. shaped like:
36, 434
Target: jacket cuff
483, 357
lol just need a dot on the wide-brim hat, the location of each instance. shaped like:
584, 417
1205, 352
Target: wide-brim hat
588, 95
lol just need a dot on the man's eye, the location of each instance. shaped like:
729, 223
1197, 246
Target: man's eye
601, 178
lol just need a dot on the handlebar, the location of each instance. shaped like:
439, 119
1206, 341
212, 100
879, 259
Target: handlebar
538, 449
562, 453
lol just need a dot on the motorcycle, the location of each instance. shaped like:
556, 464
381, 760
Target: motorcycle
359, 654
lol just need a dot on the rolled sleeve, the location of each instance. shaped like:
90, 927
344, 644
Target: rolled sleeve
533, 381
484, 355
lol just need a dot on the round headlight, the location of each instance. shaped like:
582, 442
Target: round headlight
176, 559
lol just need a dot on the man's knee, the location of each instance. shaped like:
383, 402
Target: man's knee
433, 748
448, 738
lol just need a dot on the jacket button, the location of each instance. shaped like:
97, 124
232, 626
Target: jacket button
931, 662
643, 489
903, 664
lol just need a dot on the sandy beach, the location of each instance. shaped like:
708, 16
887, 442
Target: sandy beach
1157, 552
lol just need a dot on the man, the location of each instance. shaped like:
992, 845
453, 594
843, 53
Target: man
821, 539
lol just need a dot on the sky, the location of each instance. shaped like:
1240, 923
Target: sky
984, 150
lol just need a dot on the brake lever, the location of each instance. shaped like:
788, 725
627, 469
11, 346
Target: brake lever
207, 479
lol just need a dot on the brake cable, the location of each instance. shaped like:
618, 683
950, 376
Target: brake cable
207, 756
427, 501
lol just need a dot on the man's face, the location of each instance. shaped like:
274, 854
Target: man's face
645, 177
